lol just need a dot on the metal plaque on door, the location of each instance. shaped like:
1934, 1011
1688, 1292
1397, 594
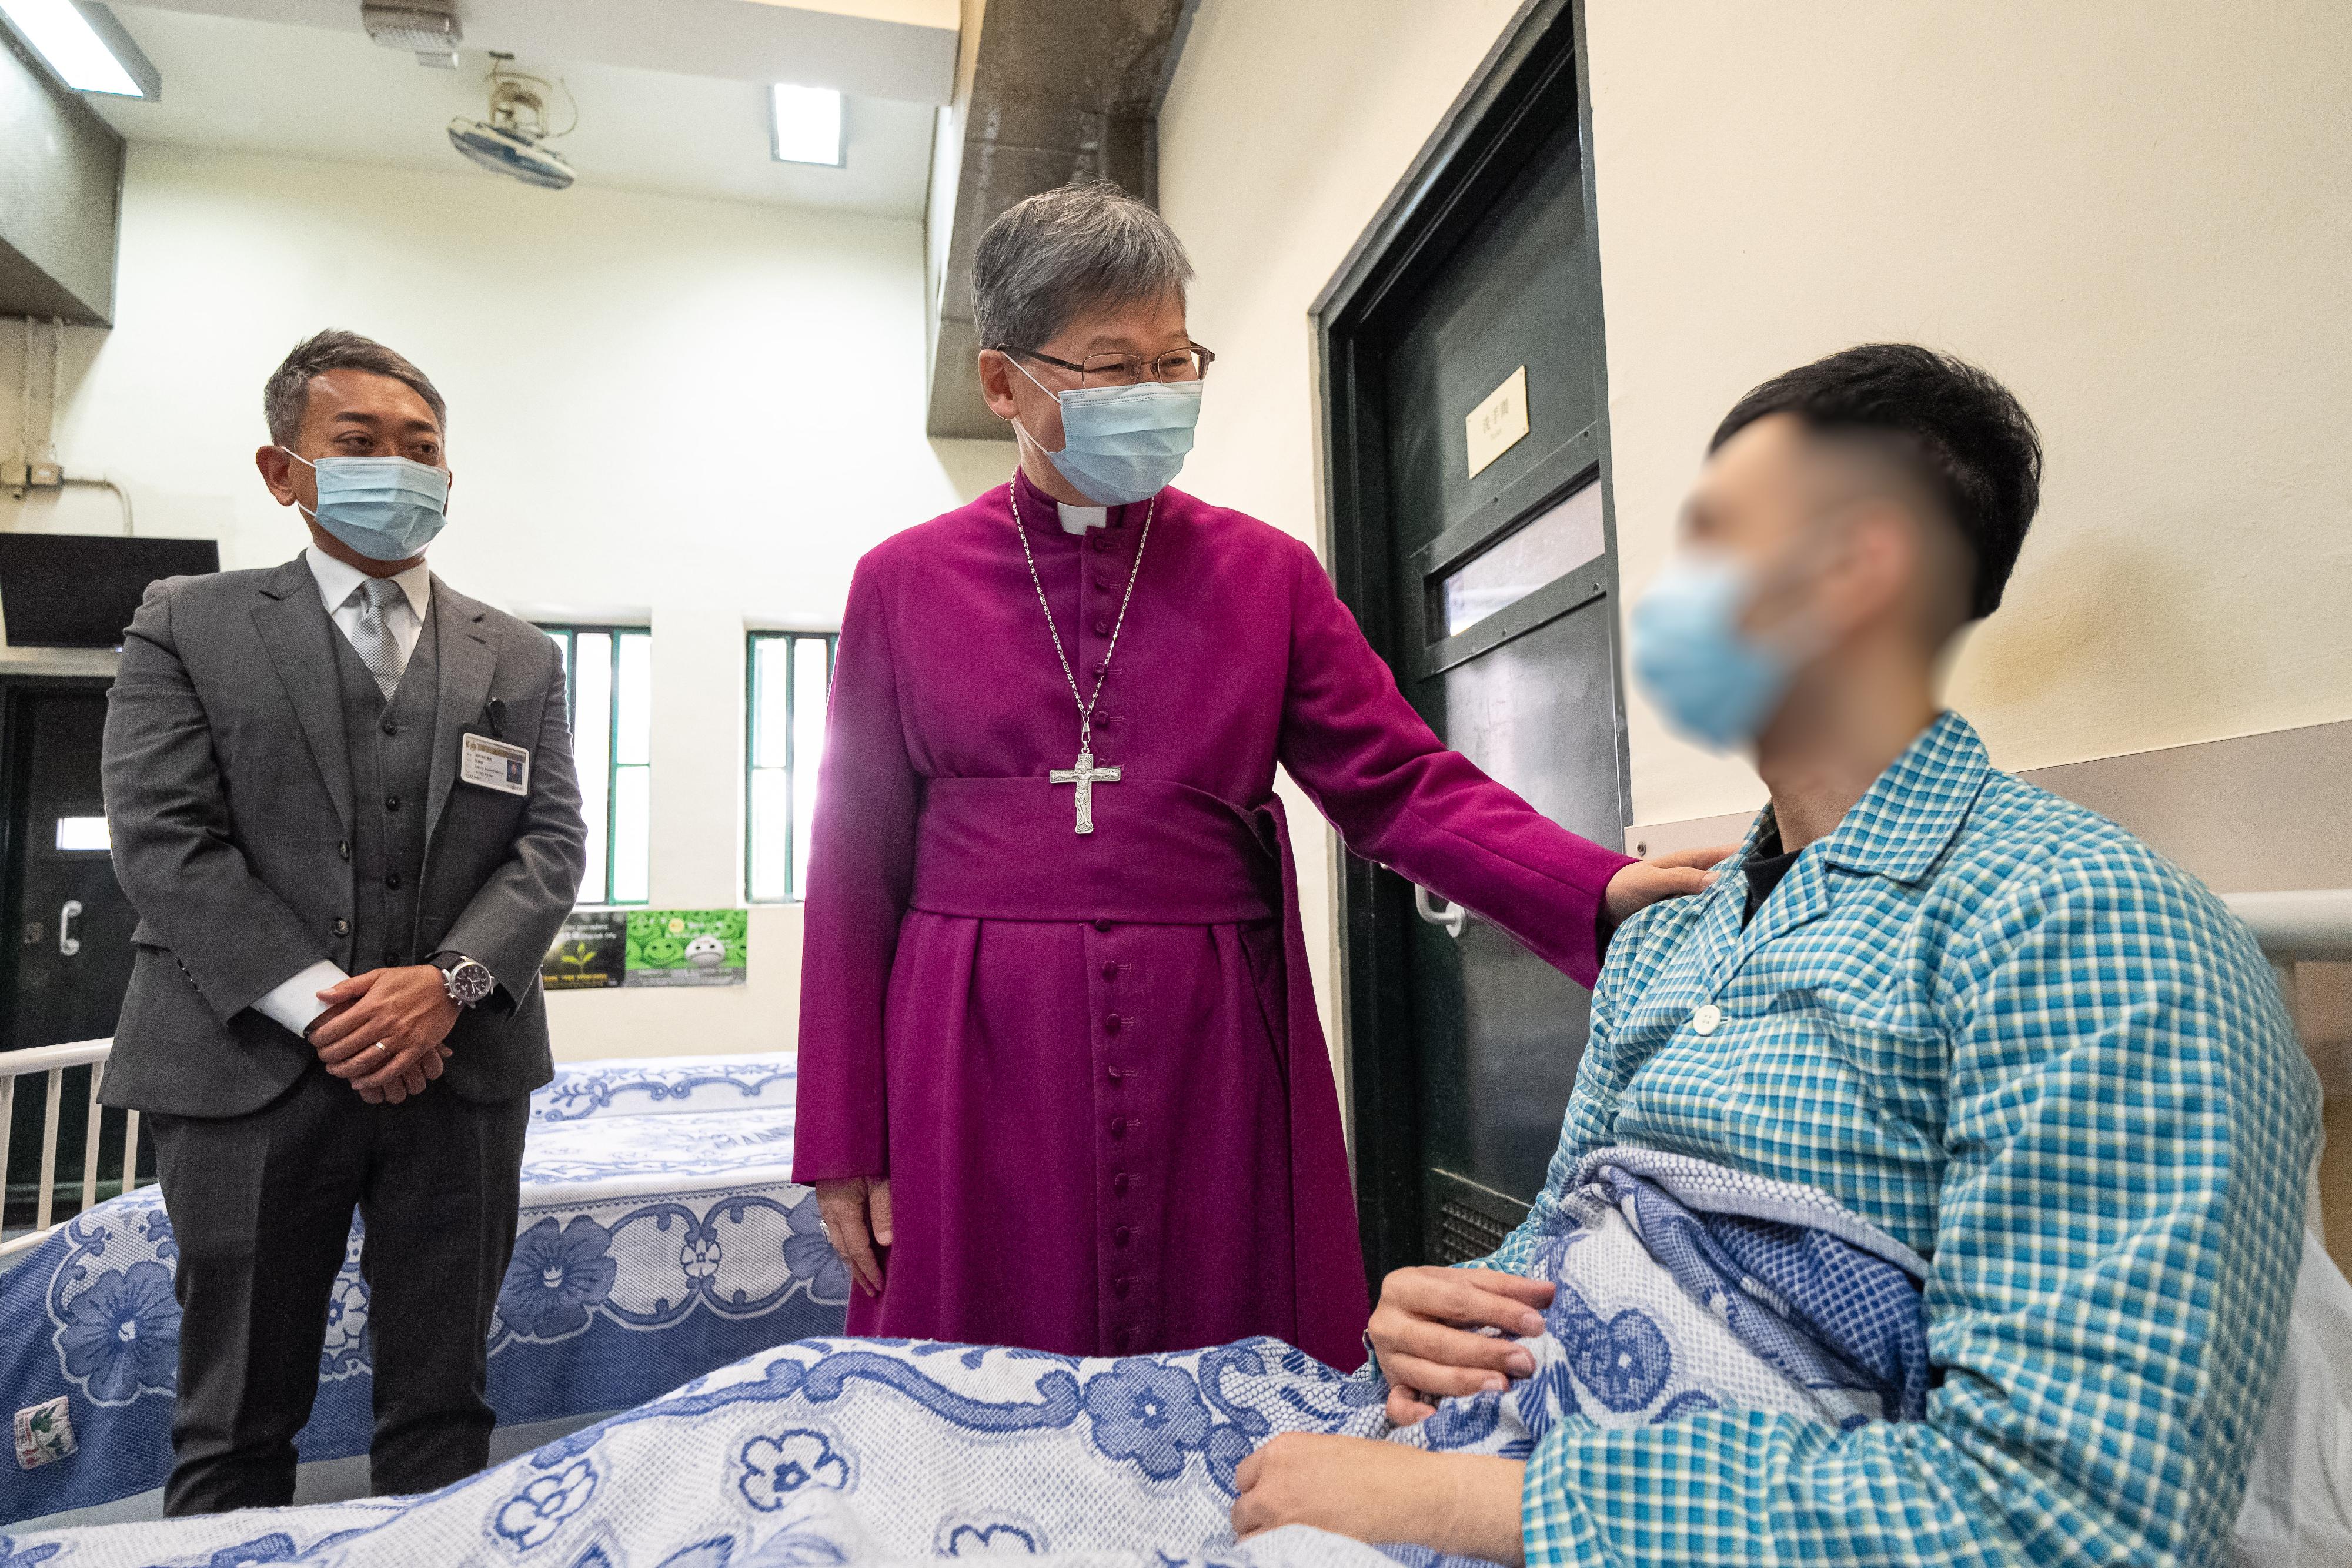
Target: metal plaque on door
1500, 423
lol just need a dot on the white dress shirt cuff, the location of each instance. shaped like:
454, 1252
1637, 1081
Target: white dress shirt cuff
296, 1003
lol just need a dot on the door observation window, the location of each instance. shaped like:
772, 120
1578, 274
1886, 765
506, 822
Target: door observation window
608, 677
1546, 548
789, 674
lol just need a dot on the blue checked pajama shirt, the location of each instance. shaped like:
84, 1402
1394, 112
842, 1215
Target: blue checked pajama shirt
2004, 1030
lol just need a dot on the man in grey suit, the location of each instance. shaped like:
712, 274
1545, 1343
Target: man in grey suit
343, 802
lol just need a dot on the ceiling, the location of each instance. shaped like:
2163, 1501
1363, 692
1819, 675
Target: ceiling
256, 83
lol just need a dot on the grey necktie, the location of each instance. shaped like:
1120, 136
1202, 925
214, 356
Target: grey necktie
379, 647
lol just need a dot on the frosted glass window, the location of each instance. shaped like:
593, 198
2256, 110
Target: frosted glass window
772, 687
608, 673
789, 673
1535, 555
633, 701
83, 833
632, 834
772, 807
810, 674
591, 733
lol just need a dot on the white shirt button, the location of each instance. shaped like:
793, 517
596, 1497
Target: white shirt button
1705, 1021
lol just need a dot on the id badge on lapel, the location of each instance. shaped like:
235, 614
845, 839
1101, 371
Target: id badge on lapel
490, 762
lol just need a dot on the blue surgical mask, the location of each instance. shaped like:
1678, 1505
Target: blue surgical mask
387, 508
1711, 680
1123, 444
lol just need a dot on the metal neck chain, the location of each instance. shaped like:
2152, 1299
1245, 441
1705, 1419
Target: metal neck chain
1086, 703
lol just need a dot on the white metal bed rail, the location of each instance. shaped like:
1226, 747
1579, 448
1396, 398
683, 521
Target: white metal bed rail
51, 1061
2295, 928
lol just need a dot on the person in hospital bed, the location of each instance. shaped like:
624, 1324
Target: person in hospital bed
1987, 1023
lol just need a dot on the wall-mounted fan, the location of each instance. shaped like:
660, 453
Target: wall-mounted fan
512, 140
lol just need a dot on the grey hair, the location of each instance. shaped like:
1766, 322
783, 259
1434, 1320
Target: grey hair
1078, 247
286, 395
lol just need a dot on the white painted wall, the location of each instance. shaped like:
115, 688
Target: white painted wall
2138, 214
691, 413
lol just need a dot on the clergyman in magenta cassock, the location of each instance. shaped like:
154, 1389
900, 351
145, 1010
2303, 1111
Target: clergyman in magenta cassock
1089, 1062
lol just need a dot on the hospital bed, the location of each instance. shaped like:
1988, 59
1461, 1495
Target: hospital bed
660, 1237
2297, 1511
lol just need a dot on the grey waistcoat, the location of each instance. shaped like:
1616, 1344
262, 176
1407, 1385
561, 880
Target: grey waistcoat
390, 748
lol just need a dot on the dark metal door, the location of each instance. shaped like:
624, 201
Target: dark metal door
72, 918
1501, 581
1468, 438
68, 920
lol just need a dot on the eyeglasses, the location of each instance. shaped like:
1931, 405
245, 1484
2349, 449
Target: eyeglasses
1187, 364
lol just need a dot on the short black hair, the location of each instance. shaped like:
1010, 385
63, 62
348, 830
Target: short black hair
1967, 438
286, 395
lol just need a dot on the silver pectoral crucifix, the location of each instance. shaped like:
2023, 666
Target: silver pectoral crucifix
1086, 776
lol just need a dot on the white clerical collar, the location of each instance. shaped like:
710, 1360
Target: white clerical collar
1078, 519
336, 579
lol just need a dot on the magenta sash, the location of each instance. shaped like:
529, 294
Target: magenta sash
1161, 854
1166, 853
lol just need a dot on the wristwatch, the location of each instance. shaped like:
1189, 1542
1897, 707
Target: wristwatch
467, 980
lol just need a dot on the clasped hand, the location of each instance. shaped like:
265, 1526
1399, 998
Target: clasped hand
1425, 1335
382, 1031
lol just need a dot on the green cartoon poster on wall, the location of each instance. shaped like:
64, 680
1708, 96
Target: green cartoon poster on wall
687, 947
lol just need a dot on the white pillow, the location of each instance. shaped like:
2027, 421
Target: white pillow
2298, 1507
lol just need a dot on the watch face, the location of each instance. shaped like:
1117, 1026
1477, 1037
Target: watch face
470, 982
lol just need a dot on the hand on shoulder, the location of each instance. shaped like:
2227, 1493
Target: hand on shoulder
1676, 875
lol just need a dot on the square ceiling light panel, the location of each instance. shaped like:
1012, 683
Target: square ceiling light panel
84, 46
805, 123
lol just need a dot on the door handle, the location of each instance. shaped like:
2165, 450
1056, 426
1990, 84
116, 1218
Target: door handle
1425, 903
67, 942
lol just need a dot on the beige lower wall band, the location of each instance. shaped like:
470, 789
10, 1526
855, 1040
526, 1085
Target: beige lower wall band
2255, 813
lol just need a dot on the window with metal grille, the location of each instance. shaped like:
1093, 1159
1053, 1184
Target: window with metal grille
789, 673
608, 676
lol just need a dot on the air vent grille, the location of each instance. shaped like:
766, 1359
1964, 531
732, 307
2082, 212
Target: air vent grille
1464, 1233
427, 31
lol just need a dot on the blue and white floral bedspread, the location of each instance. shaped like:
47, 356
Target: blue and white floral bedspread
661, 1236
839, 1451
1680, 1291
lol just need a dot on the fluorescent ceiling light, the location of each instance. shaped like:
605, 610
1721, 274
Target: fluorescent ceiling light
807, 122
84, 45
